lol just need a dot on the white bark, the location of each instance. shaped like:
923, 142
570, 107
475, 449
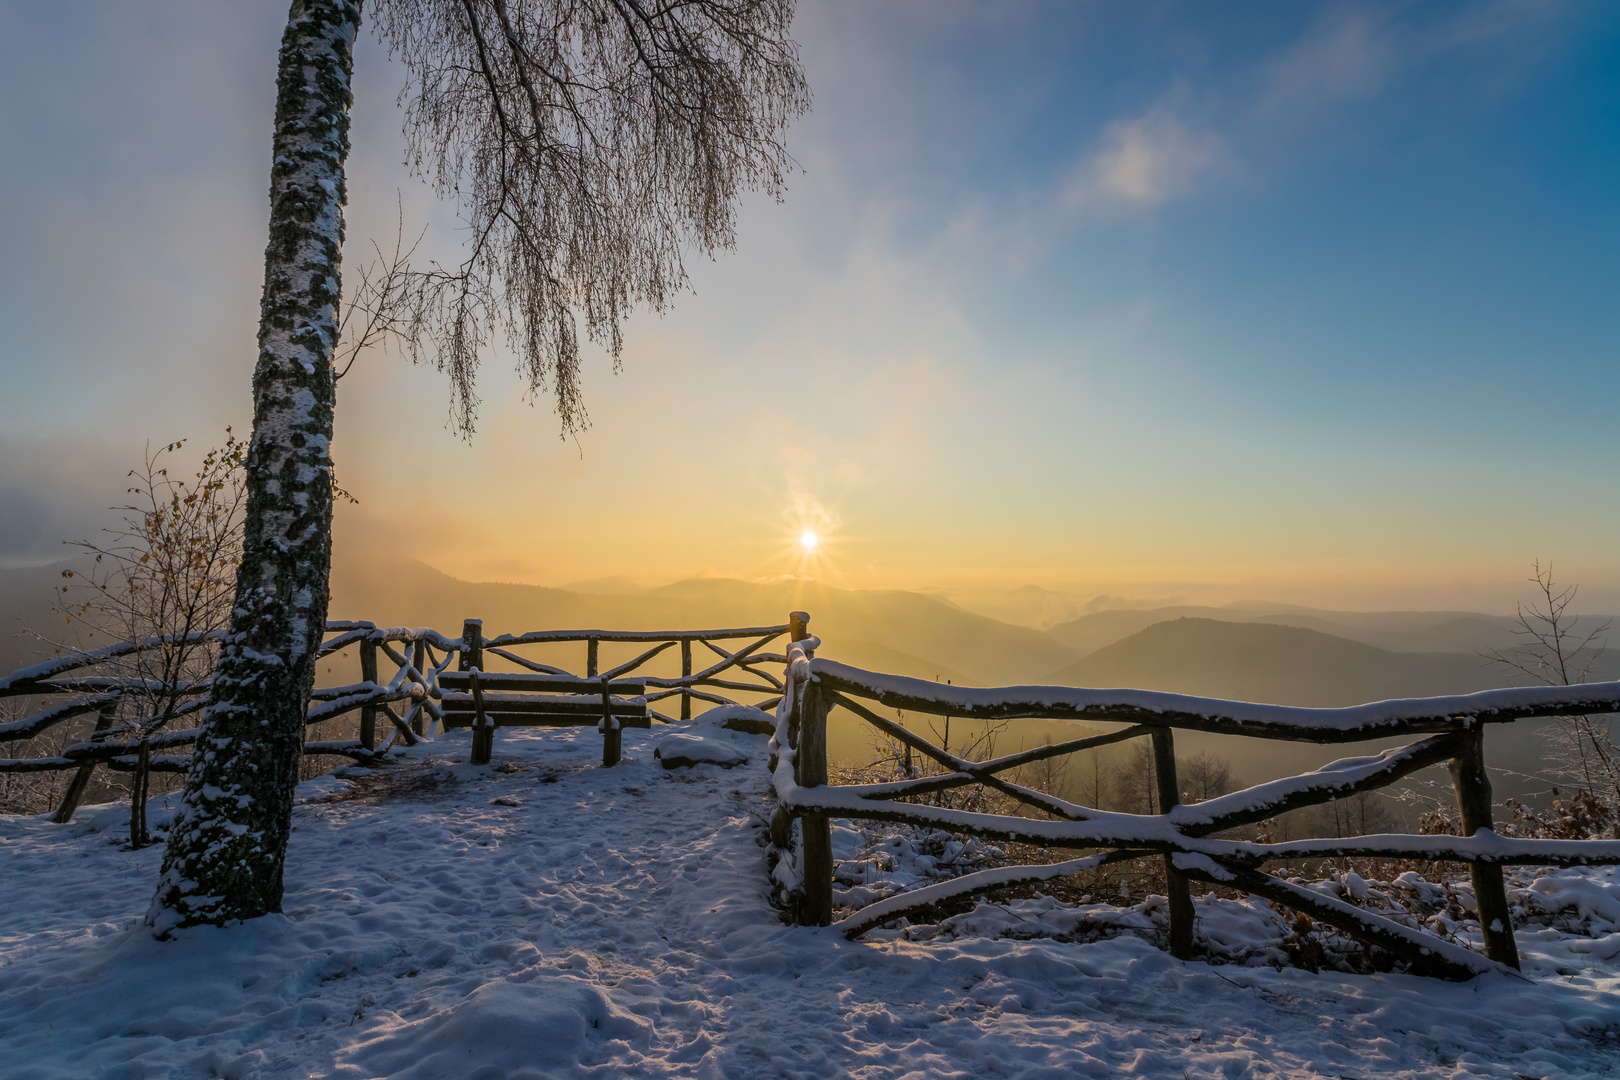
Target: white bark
228, 844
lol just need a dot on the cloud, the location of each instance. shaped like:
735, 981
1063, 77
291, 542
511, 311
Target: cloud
1347, 55
1174, 148
1353, 54
1145, 161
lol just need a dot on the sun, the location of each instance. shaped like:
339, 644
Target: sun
810, 540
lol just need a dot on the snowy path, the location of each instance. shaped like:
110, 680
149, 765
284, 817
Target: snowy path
562, 920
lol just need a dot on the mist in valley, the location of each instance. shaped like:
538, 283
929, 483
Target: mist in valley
1249, 652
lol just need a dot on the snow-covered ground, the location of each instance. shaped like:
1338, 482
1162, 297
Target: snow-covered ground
546, 917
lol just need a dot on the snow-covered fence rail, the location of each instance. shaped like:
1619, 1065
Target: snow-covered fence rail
1452, 730
70, 686
409, 700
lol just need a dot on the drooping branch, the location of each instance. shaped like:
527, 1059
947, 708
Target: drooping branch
589, 145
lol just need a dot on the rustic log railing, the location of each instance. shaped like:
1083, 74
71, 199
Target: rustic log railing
67, 687
1183, 835
739, 671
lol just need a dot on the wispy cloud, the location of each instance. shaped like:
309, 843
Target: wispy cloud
1146, 160
1193, 136
1347, 55
1358, 53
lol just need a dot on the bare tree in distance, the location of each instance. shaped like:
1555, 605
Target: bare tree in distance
588, 144
1360, 814
1553, 650
1053, 775
1204, 776
1092, 779
1134, 779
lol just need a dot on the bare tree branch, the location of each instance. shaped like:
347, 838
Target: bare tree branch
589, 145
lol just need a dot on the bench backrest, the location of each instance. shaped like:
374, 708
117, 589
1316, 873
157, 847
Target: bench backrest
509, 699
523, 682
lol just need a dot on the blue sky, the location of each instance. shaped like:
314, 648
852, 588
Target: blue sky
1310, 302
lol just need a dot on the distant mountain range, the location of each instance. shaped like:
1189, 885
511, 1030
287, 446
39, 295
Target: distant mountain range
1254, 652
1283, 665
1268, 653
1398, 631
903, 632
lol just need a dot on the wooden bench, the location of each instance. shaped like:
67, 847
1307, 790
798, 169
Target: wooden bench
484, 701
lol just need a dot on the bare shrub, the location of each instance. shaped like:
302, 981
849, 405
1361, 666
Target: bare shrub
165, 578
1553, 650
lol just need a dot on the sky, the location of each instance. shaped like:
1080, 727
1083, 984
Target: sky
1308, 303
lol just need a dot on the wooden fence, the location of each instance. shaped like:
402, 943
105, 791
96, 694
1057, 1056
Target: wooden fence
1452, 730
1448, 729
407, 702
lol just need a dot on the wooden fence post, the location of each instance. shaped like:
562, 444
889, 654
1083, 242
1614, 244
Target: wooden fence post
1473, 788
483, 732
472, 645
612, 737
81, 779
419, 662
686, 673
590, 658
1175, 883
810, 771
807, 736
368, 713
472, 659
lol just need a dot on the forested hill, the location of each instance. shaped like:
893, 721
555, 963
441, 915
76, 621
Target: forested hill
1285, 665
1397, 631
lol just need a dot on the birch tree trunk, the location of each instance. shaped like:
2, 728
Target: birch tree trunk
228, 843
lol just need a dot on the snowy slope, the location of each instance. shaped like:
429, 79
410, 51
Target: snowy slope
549, 918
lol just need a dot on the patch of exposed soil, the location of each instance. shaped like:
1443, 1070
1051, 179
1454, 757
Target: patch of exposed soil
427, 782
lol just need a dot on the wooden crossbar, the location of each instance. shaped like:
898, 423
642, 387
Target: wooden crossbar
1185, 836
541, 704
540, 683
534, 719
